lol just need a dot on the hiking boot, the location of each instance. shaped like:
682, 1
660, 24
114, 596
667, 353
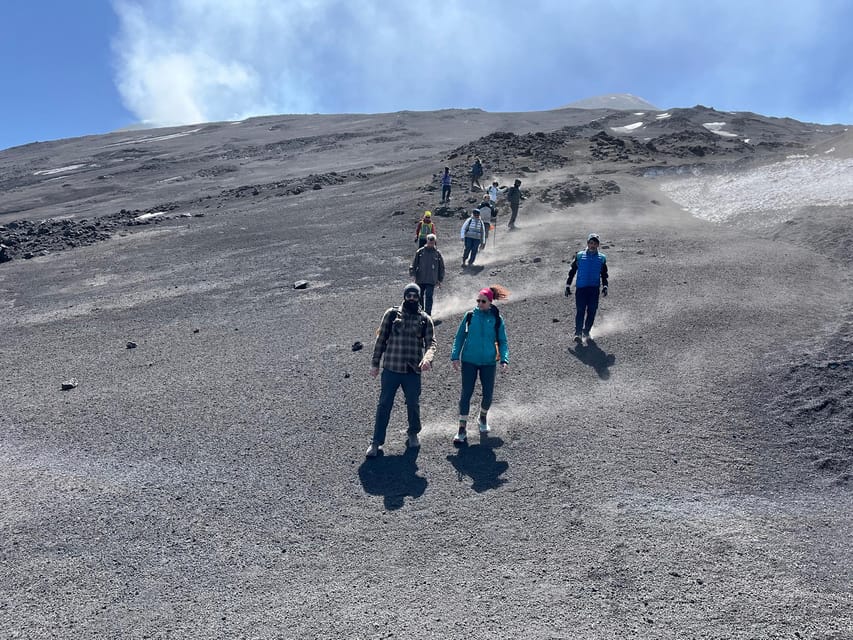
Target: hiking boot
585, 339
484, 427
373, 450
578, 338
460, 439
463, 263
413, 442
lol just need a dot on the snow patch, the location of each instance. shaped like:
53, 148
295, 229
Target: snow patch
627, 127
50, 172
168, 136
767, 193
663, 116
717, 127
148, 216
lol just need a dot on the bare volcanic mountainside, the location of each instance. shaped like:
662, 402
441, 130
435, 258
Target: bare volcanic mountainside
188, 317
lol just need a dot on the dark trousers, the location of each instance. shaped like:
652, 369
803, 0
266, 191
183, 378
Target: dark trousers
469, 379
514, 209
445, 192
421, 242
426, 296
391, 381
472, 246
586, 299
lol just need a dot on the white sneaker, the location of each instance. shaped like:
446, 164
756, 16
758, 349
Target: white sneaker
413, 442
484, 427
373, 450
460, 438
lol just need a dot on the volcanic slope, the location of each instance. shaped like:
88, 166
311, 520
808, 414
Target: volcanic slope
686, 475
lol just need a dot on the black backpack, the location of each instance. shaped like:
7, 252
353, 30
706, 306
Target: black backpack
398, 317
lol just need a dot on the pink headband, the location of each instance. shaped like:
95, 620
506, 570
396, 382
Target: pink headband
488, 293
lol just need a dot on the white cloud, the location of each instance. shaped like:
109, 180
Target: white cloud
184, 61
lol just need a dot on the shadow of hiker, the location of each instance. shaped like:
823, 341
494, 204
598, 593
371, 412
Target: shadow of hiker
394, 477
473, 269
594, 357
480, 463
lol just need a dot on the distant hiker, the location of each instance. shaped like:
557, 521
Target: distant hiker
486, 216
480, 344
425, 227
476, 173
590, 265
514, 197
406, 339
446, 182
472, 233
494, 192
427, 270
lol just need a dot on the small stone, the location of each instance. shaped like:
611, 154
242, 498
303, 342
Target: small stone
69, 384
357, 346
300, 284
131, 344
537, 259
195, 330
555, 319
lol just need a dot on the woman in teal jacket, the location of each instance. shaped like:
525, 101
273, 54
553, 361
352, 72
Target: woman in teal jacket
480, 344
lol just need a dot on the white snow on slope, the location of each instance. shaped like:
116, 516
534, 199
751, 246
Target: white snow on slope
627, 127
768, 192
168, 136
663, 116
50, 172
717, 127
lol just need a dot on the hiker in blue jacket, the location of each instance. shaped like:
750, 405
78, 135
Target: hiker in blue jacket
590, 265
480, 344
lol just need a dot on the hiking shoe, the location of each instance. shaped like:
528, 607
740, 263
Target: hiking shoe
373, 450
460, 439
484, 427
413, 442
585, 339
578, 338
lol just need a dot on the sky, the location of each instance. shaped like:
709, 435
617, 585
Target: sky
94, 66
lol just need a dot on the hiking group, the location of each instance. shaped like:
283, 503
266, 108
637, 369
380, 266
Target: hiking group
405, 343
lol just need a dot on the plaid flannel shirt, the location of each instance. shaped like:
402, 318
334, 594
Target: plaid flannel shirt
404, 339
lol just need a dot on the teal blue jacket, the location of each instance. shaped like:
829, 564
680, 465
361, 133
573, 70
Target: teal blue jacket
475, 344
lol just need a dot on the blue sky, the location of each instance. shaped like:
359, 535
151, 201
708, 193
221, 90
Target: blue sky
93, 66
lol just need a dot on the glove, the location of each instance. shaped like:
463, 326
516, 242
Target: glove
568, 291
604, 291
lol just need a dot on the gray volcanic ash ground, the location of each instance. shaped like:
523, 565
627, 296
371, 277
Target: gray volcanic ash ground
688, 475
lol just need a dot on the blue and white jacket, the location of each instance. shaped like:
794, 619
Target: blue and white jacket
590, 267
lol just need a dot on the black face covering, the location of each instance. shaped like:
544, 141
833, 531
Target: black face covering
411, 306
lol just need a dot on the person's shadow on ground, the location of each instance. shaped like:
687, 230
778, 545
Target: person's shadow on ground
480, 463
473, 269
593, 356
394, 477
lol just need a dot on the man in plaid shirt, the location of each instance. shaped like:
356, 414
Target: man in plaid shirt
406, 339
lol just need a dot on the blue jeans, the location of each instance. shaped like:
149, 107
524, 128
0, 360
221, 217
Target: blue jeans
469, 379
472, 246
426, 297
586, 299
391, 381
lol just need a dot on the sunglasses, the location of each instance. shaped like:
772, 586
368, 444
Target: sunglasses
411, 296
481, 300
